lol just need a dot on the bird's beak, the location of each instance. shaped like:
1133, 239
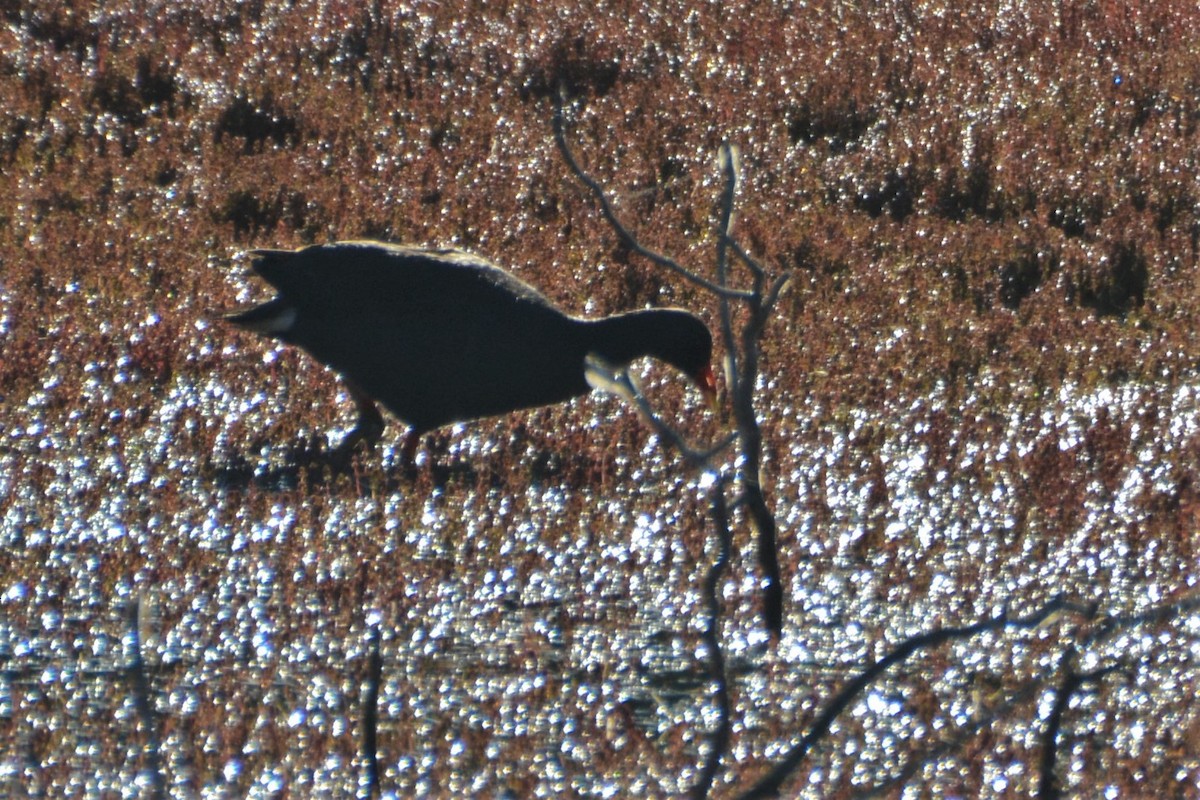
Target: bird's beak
706, 382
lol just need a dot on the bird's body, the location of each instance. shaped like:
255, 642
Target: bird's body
442, 336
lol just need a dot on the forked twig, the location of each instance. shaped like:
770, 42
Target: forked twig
741, 379
771, 785
742, 355
627, 238
607, 378
1072, 681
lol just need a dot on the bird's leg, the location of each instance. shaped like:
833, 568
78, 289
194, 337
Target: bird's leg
408, 451
369, 426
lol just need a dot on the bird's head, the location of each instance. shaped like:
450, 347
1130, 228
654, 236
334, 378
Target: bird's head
682, 340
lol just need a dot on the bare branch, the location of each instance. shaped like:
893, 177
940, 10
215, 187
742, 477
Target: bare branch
724, 228
756, 503
742, 379
1165, 612
747, 259
626, 237
605, 377
139, 681
370, 713
773, 294
712, 639
771, 785
741, 357
953, 741
1072, 682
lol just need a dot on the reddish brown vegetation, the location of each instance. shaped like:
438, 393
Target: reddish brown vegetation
977, 208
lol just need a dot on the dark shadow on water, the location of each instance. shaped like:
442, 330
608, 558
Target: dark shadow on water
308, 464
314, 465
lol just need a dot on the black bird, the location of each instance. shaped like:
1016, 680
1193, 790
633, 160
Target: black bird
442, 336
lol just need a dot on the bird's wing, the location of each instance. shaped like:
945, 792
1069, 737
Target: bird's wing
361, 277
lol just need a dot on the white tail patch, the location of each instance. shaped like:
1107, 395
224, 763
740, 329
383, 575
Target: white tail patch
281, 322
267, 320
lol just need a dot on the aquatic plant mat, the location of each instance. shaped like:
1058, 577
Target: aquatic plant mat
978, 400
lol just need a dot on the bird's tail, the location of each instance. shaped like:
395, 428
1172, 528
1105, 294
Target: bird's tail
273, 318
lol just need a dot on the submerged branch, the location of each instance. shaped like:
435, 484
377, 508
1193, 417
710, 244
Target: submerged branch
139, 681
712, 639
370, 712
1049, 787
741, 355
771, 785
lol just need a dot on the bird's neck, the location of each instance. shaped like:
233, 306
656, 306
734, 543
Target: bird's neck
622, 338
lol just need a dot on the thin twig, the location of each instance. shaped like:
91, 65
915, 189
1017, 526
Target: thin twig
733, 375
607, 378
712, 639
139, 681
773, 294
1072, 681
1164, 612
746, 258
951, 741
743, 382
741, 377
771, 785
370, 712
626, 237
757, 507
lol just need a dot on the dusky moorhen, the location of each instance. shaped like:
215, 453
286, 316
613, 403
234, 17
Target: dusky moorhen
442, 335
